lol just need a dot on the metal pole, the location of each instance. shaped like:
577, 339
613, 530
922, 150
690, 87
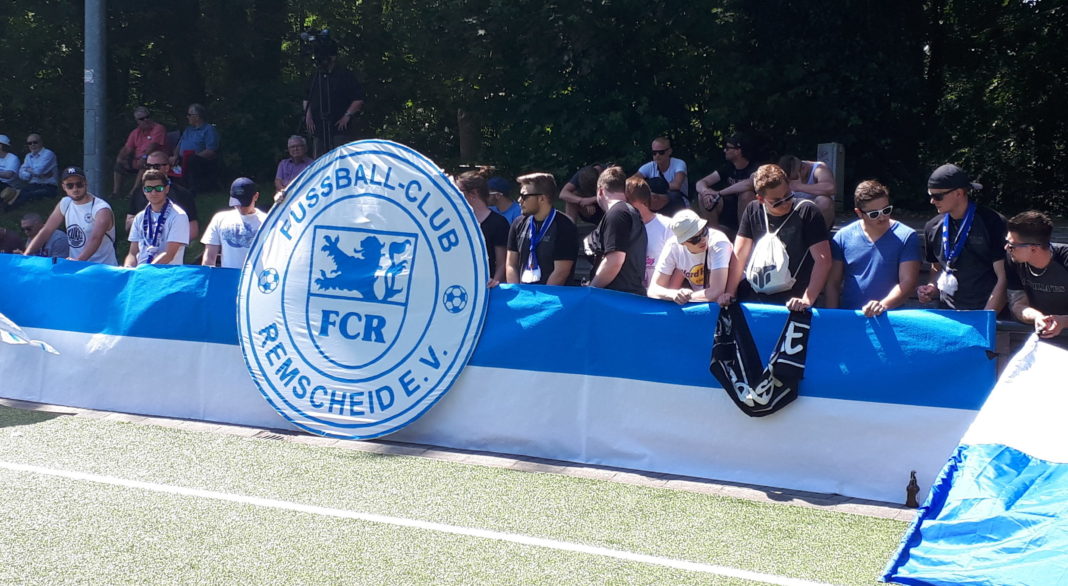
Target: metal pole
95, 95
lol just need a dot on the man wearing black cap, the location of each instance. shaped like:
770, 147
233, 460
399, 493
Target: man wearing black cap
231, 231
89, 220
964, 244
723, 195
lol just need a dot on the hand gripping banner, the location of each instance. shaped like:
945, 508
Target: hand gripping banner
756, 390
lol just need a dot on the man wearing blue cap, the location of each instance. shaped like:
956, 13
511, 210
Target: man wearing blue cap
499, 200
965, 246
231, 231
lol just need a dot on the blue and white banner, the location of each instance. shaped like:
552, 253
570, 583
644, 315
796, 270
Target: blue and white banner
575, 374
998, 512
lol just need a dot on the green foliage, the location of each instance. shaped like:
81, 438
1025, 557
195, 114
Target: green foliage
555, 85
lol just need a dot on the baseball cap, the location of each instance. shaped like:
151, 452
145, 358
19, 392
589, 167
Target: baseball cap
71, 172
686, 224
241, 191
499, 184
658, 185
4, 140
950, 176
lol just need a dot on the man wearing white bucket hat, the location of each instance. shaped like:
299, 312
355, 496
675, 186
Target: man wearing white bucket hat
693, 267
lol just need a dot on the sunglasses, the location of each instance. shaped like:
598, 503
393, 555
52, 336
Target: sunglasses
942, 195
779, 202
698, 237
32, 142
659, 151
522, 195
141, 119
873, 214
156, 165
731, 147
151, 188
26, 229
1015, 245
77, 185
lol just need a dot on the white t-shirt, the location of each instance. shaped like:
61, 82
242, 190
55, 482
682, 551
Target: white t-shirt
233, 231
175, 229
9, 162
79, 220
658, 234
676, 256
674, 166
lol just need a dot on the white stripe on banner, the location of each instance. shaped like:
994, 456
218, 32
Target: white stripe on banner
1028, 405
817, 445
11, 333
415, 524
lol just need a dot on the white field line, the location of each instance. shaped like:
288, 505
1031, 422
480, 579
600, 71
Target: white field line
415, 524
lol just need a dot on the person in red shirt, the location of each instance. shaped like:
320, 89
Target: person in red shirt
147, 137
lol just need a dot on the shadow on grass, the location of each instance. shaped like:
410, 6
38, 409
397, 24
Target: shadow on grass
10, 417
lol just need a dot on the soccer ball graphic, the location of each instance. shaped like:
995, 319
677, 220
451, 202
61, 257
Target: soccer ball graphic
454, 299
268, 280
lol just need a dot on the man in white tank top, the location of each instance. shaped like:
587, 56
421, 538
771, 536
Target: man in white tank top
812, 180
89, 221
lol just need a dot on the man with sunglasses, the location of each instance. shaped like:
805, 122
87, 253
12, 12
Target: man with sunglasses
673, 171
876, 260
693, 266
56, 245
964, 246
727, 191
89, 220
798, 225
160, 232
38, 171
1037, 274
158, 161
542, 243
146, 137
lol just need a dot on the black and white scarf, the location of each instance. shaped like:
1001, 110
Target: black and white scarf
755, 389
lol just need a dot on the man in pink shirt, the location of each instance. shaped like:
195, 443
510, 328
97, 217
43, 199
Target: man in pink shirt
147, 137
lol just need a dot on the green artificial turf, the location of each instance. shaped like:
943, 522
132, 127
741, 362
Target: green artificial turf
55, 529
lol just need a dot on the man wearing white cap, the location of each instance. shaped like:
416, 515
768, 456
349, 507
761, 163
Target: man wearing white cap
9, 170
693, 267
231, 231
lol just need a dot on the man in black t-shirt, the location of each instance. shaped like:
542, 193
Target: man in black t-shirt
549, 234
580, 194
799, 226
724, 194
621, 235
964, 244
1037, 274
494, 227
334, 99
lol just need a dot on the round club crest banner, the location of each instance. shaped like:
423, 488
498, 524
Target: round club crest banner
364, 293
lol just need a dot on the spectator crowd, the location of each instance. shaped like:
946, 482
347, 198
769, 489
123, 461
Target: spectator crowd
749, 231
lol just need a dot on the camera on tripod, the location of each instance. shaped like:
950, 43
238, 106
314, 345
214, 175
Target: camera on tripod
318, 44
